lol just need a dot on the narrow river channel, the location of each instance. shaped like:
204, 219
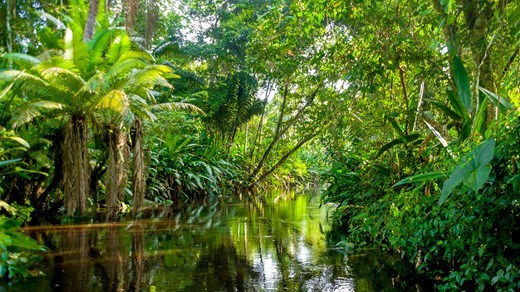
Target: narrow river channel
276, 246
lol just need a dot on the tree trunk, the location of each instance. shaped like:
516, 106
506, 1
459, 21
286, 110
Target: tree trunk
115, 179
130, 7
76, 165
93, 9
138, 169
258, 138
9, 36
285, 156
477, 19
151, 20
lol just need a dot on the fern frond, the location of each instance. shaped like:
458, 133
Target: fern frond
94, 84
5, 90
136, 54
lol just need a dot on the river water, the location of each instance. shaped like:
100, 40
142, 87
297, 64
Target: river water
276, 246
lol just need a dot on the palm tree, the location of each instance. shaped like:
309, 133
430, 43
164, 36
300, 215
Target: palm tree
87, 78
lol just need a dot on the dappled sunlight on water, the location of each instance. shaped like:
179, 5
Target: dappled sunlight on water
224, 247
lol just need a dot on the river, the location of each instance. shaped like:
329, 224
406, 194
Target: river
276, 246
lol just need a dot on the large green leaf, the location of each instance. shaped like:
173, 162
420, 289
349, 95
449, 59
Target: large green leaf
462, 82
395, 125
472, 171
420, 178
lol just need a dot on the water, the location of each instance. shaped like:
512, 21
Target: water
277, 246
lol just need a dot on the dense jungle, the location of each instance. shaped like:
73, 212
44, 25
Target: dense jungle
259, 145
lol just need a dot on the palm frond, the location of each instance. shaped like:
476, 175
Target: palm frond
140, 107
136, 54
75, 48
66, 77
122, 68
5, 90
99, 44
94, 84
115, 100
178, 106
53, 19
148, 77
118, 47
9, 75
23, 58
31, 111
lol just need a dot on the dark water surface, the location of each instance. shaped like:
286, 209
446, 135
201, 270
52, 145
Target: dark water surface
277, 246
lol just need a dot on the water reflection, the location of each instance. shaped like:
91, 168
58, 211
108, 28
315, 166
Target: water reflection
224, 247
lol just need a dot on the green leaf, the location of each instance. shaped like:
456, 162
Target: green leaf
396, 126
20, 141
457, 104
495, 99
445, 109
462, 82
420, 178
23, 241
480, 118
5, 162
401, 140
473, 170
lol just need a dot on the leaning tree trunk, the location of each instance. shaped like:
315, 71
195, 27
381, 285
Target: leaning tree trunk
138, 167
115, 179
76, 165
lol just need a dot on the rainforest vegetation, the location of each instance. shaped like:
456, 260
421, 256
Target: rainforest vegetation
405, 113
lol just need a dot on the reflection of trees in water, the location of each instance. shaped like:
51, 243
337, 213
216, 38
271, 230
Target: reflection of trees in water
95, 260
135, 281
71, 266
115, 264
233, 248
220, 268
